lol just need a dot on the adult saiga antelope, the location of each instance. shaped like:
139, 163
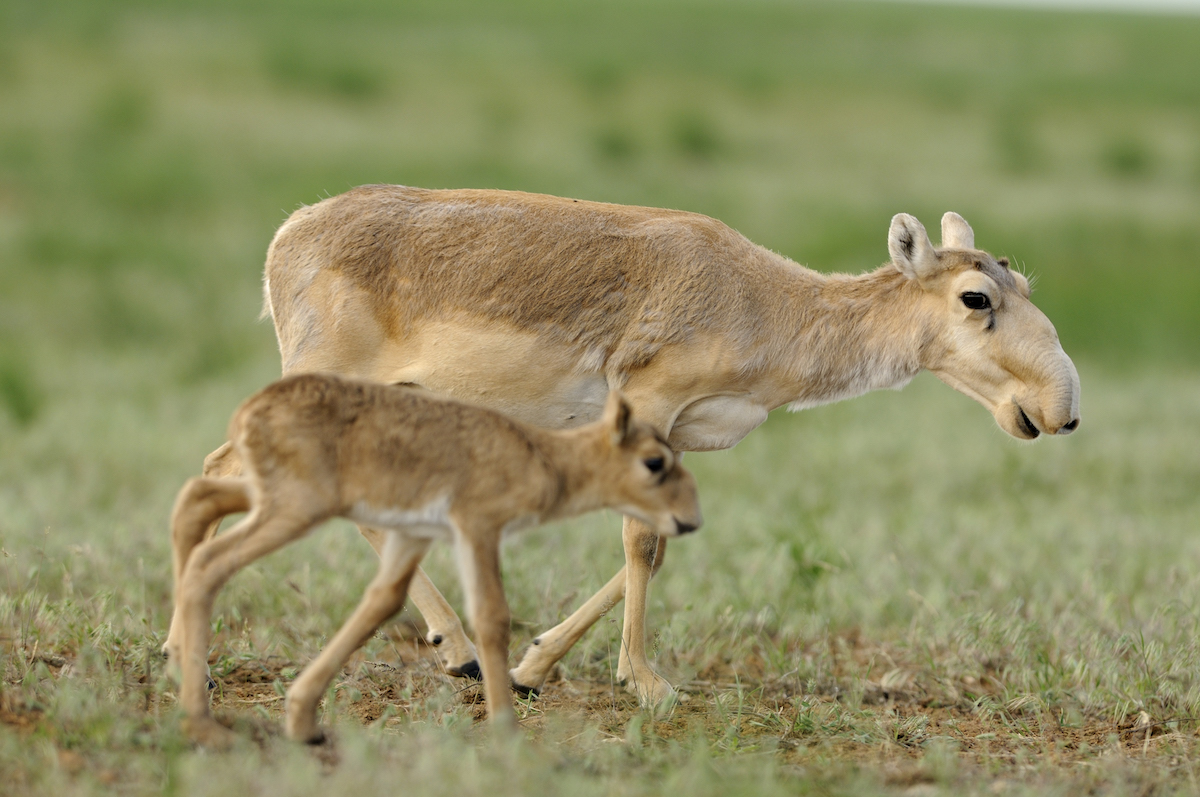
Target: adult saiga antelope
316, 446
537, 306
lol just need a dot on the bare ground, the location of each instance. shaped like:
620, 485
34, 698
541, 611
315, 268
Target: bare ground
902, 724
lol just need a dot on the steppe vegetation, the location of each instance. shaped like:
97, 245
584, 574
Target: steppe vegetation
889, 596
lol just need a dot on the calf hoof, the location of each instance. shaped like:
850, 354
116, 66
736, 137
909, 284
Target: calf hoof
469, 670
208, 733
311, 735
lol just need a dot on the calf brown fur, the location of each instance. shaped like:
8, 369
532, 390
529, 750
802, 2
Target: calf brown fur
419, 467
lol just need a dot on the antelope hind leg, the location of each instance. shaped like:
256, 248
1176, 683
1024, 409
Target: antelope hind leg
446, 634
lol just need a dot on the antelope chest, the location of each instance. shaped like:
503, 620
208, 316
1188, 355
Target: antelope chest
715, 423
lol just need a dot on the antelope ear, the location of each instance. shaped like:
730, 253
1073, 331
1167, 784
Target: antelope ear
617, 417
910, 248
956, 233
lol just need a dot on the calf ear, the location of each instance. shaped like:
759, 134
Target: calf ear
617, 416
910, 248
956, 233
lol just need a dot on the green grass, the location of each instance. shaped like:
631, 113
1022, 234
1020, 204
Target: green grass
888, 593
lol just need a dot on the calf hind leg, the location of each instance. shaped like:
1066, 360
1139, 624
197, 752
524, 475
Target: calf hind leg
399, 558
220, 464
210, 565
200, 506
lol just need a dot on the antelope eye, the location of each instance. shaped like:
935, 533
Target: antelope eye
976, 301
654, 464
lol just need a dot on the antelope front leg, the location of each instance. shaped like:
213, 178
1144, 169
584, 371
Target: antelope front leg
644, 552
545, 651
383, 598
446, 633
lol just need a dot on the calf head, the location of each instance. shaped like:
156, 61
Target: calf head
987, 339
641, 476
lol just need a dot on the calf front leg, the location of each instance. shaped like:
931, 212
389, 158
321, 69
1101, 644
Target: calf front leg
479, 560
446, 633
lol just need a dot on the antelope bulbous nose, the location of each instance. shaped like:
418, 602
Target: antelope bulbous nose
685, 528
1069, 427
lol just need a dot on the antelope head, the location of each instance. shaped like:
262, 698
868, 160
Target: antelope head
986, 338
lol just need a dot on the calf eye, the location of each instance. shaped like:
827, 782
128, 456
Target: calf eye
976, 301
654, 464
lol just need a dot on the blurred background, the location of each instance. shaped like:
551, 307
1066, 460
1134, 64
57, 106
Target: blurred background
149, 150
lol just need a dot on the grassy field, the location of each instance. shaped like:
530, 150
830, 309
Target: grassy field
889, 595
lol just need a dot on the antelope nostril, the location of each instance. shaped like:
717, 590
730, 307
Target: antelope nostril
685, 528
1070, 427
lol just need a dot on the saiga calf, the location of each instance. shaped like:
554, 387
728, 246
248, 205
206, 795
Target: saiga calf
418, 467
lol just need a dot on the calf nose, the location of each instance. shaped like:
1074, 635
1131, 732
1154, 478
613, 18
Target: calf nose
1069, 427
685, 528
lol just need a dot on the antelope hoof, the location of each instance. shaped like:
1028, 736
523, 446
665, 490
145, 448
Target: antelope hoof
526, 680
469, 670
521, 690
208, 733
453, 648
